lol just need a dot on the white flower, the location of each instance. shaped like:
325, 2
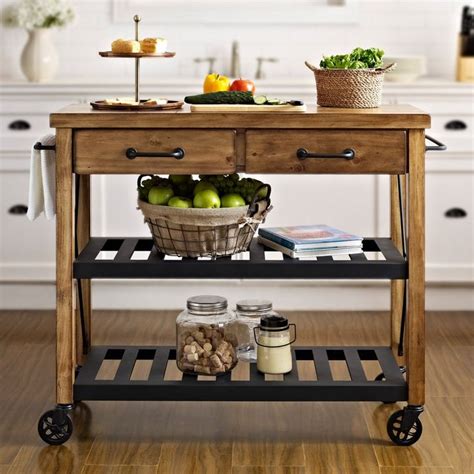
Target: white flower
30, 14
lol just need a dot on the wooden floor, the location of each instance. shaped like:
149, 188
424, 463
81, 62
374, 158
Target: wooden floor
237, 438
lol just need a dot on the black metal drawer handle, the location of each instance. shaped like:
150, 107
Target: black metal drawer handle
347, 154
455, 213
19, 125
438, 145
456, 125
18, 210
177, 153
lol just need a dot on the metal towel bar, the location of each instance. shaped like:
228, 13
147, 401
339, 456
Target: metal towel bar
40, 146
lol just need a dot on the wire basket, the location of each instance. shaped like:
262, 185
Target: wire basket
349, 88
204, 232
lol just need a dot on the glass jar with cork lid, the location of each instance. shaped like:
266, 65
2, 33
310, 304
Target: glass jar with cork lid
206, 339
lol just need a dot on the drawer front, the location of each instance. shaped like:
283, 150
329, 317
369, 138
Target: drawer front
19, 131
105, 151
456, 131
450, 225
375, 152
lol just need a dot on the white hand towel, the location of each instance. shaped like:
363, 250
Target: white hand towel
42, 190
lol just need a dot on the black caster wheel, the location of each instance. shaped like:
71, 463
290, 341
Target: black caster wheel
404, 435
55, 427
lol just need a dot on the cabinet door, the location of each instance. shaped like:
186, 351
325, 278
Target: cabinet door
27, 249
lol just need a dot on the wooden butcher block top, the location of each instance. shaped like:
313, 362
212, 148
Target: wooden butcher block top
386, 117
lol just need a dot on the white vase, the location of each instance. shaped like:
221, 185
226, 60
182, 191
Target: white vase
39, 59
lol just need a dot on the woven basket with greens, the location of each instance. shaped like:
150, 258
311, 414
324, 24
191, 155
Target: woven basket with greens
351, 80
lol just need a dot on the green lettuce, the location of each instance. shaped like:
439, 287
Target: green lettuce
359, 59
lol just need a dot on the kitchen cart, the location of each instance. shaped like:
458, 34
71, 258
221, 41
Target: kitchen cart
389, 140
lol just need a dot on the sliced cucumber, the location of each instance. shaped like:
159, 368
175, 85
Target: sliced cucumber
260, 100
274, 102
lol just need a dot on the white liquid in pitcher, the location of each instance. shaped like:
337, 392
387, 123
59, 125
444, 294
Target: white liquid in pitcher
274, 360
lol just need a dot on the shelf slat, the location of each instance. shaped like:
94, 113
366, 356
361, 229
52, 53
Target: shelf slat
260, 265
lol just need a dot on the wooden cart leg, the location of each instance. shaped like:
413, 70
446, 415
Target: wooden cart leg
83, 227
65, 326
397, 286
416, 266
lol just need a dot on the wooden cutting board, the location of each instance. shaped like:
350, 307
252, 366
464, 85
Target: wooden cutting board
247, 108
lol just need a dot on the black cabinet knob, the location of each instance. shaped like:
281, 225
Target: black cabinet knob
18, 210
456, 125
19, 125
455, 213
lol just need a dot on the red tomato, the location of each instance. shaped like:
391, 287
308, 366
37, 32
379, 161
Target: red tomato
243, 85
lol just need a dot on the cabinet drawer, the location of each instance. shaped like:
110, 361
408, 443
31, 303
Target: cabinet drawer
450, 225
104, 151
375, 152
18, 132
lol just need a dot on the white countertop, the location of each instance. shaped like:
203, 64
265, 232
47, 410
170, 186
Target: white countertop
193, 85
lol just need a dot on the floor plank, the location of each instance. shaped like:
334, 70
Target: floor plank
126, 436
268, 470
94, 469
454, 419
195, 458
417, 470
269, 453
342, 442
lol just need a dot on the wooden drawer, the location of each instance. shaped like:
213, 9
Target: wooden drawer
104, 151
375, 152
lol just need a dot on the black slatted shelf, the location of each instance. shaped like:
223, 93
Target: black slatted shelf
190, 388
92, 264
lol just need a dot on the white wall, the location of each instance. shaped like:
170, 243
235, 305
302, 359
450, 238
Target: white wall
426, 27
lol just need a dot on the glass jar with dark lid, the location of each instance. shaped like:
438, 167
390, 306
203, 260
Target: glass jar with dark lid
273, 338
249, 313
206, 340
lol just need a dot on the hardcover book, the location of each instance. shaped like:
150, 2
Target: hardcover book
310, 237
324, 252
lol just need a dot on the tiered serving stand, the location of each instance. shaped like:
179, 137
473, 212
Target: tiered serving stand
142, 104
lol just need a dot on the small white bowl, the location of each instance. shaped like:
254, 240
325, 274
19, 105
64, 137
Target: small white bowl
409, 68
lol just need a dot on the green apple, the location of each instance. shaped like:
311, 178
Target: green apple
232, 200
178, 201
203, 186
207, 199
160, 195
180, 178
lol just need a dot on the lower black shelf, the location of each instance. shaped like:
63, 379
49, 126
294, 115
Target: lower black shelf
153, 383
137, 258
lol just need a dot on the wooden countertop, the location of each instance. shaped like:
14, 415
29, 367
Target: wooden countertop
385, 117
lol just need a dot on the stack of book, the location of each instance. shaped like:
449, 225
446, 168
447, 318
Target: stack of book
310, 241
